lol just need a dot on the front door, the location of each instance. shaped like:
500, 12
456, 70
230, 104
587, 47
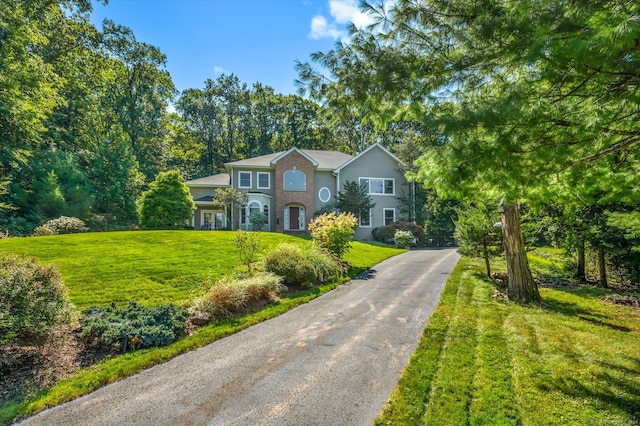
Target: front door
294, 218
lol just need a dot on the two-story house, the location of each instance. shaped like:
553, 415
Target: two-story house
289, 186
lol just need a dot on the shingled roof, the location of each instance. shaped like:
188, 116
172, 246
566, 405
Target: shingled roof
327, 160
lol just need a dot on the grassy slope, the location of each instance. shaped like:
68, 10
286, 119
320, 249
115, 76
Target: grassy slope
480, 361
150, 267
163, 258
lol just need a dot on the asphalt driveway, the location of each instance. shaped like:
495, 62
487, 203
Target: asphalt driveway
333, 361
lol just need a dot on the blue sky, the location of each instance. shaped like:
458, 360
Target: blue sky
257, 40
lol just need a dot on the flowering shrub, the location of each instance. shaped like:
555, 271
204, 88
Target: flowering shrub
333, 232
61, 225
42, 231
403, 238
33, 297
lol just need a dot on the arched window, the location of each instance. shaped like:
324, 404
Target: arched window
254, 207
295, 180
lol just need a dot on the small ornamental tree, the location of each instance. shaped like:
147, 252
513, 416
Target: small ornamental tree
248, 245
478, 233
167, 203
333, 232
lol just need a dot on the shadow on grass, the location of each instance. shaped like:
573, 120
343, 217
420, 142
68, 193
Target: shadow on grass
574, 310
618, 392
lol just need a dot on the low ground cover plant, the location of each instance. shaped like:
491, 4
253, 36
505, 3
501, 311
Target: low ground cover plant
134, 326
33, 297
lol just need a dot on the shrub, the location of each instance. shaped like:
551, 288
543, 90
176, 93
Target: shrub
135, 326
386, 234
258, 220
33, 297
403, 239
167, 204
333, 232
62, 225
290, 262
325, 264
42, 231
228, 296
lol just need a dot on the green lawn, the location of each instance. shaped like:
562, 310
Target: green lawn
575, 360
151, 267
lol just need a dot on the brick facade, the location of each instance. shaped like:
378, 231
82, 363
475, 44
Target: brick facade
304, 199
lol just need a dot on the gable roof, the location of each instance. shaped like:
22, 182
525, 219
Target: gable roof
221, 179
323, 160
375, 145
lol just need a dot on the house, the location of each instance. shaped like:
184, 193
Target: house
289, 186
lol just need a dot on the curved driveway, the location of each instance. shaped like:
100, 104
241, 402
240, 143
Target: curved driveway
333, 361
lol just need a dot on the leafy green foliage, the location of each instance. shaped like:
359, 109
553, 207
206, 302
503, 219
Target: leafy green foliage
333, 232
167, 203
290, 262
258, 220
326, 265
248, 245
133, 327
33, 297
386, 234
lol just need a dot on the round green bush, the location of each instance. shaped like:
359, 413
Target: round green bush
386, 234
33, 297
290, 262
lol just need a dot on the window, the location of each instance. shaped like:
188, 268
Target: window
243, 215
389, 216
263, 180
244, 179
324, 194
254, 207
378, 185
365, 219
265, 210
295, 180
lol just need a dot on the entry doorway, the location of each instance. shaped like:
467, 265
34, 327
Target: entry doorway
294, 219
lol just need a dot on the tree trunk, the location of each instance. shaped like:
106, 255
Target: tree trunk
602, 270
485, 254
521, 288
581, 274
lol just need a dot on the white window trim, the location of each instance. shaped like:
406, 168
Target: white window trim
328, 198
268, 180
384, 215
240, 180
378, 178
365, 226
284, 181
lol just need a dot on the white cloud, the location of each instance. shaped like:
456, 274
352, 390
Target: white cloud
218, 70
320, 28
342, 12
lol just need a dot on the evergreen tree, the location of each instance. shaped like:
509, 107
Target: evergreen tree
167, 203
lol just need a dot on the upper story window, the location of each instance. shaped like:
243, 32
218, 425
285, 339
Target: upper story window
324, 194
244, 179
378, 186
264, 180
295, 180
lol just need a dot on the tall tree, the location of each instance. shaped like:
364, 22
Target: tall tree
535, 97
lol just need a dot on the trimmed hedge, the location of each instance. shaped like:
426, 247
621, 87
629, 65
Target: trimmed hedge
386, 234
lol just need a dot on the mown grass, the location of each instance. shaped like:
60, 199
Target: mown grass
69, 253
151, 267
575, 360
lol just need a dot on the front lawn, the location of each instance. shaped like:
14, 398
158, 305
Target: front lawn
152, 267
576, 360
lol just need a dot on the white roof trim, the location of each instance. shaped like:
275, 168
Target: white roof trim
377, 144
289, 151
